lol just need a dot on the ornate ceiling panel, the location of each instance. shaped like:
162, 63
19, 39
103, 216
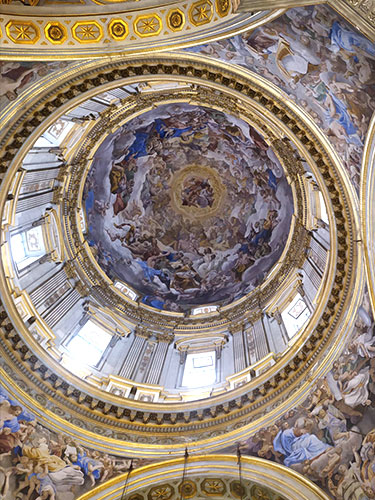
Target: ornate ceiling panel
84, 34
266, 392
210, 476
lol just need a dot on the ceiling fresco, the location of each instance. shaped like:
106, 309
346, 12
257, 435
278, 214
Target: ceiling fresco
322, 63
330, 438
36, 463
17, 76
186, 165
188, 206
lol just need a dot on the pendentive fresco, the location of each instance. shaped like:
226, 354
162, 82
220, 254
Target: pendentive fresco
322, 63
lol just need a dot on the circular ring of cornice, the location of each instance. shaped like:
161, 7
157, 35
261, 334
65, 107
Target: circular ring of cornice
207, 473
367, 197
275, 393
43, 35
81, 260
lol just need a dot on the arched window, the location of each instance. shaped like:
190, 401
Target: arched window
295, 315
89, 344
200, 370
27, 247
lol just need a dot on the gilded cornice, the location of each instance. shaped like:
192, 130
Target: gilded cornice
124, 422
45, 34
368, 208
210, 475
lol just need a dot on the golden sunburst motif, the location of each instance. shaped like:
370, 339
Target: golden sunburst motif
148, 25
85, 32
213, 486
162, 492
22, 32
201, 12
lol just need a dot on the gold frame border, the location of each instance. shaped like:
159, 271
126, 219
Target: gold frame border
347, 318
280, 479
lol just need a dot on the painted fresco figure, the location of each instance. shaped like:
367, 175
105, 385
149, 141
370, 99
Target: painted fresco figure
91, 467
297, 445
349, 40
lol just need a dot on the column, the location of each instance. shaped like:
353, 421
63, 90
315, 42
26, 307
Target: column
38, 156
251, 348
260, 338
134, 352
318, 254
279, 319
238, 347
312, 274
45, 289
301, 291
62, 308
181, 368
30, 202
158, 360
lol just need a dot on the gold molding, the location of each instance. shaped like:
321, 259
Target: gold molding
22, 32
134, 44
367, 202
87, 31
282, 480
309, 359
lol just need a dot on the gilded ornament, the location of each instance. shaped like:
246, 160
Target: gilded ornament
55, 32
22, 32
259, 493
213, 486
201, 12
222, 7
87, 32
148, 25
162, 492
237, 489
344, 231
118, 29
187, 489
175, 20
